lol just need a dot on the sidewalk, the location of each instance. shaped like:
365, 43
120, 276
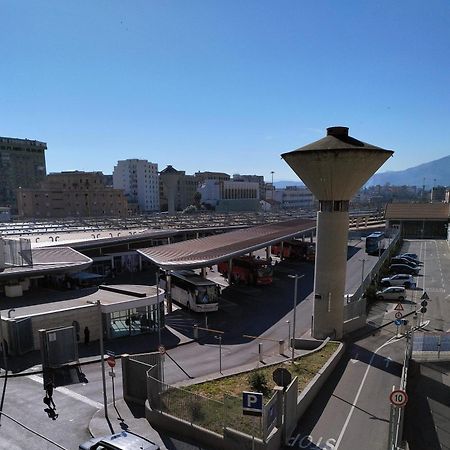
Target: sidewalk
98, 425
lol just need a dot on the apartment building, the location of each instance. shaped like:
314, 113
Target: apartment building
138, 178
294, 197
72, 194
22, 164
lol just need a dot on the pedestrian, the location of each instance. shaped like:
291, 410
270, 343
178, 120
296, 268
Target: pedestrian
87, 335
49, 395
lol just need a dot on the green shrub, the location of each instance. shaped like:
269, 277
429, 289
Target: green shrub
258, 382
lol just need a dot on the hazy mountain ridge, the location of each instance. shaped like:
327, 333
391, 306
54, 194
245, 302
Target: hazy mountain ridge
435, 172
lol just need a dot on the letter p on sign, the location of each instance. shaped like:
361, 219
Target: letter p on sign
252, 403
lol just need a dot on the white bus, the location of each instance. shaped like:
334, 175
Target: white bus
193, 291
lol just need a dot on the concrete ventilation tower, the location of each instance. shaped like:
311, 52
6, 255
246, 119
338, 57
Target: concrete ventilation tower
170, 177
333, 168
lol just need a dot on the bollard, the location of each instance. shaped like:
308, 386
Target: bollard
260, 351
196, 332
281, 346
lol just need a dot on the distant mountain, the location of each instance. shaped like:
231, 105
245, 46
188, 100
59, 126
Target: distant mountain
435, 173
283, 183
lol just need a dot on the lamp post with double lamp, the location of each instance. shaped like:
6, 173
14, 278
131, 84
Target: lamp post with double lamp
296, 277
102, 355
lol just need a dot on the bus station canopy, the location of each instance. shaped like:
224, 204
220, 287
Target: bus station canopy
213, 249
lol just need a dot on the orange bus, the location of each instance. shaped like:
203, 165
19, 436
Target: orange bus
248, 270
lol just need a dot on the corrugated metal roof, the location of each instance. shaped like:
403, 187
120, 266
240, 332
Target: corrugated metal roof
213, 249
49, 260
417, 211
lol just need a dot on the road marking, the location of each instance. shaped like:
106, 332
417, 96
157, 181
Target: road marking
69, 393
388, 360
347, 421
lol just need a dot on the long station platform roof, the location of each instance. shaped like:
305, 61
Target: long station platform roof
213, 249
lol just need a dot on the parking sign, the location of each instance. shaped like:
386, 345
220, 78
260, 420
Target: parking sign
252, 403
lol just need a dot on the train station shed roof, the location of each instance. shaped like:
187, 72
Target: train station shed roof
213, 249
417, 211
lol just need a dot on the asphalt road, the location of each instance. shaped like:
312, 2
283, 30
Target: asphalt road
352, 410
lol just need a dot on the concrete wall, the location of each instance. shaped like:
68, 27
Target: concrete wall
85, 316
313, 387
134, 376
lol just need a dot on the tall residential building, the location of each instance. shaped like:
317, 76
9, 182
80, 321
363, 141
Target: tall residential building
22, 164
138, 178
72, 194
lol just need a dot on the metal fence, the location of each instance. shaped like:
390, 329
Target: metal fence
213, 415
17, 252
357, 305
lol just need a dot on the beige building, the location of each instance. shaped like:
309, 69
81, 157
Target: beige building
72, 194
186, 187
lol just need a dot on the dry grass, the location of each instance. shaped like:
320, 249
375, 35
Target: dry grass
305, 368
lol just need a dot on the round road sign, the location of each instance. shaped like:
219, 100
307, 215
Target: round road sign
398, 398
111, 361
162, 349
398, 315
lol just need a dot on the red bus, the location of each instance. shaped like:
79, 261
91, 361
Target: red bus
294, 249
248, 270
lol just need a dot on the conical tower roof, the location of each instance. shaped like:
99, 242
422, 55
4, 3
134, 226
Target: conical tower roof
336, 166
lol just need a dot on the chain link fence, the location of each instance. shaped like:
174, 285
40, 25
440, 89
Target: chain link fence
195, 409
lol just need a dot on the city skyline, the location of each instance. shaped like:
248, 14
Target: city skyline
221, 88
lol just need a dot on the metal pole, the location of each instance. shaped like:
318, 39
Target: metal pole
295, 314
220, 354
158, 315
289, 332
102, 356
362, 272
112, 382
296, 278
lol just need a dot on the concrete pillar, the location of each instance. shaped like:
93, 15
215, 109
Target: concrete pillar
169, 291
330, 268
230, 268
203, 272
281, 250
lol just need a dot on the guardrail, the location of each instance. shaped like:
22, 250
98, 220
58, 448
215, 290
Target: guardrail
357, 306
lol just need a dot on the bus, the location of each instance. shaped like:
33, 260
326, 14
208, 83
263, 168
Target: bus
196, 293
375, 243
248, 270
296, 249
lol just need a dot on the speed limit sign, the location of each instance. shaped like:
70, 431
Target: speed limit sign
398, 398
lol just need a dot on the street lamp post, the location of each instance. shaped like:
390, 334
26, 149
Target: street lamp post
296, 277
271, 173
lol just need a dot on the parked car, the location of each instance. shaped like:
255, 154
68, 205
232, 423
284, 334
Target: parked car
401, 279
398, 260
397, 293
120, 441
410, 258
403, 268
411, 255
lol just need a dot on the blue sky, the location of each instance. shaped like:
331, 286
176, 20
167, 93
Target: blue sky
223, 85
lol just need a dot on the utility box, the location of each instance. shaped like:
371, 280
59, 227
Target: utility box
58, 346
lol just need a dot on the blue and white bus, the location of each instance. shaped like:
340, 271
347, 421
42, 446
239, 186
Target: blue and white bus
375, 243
